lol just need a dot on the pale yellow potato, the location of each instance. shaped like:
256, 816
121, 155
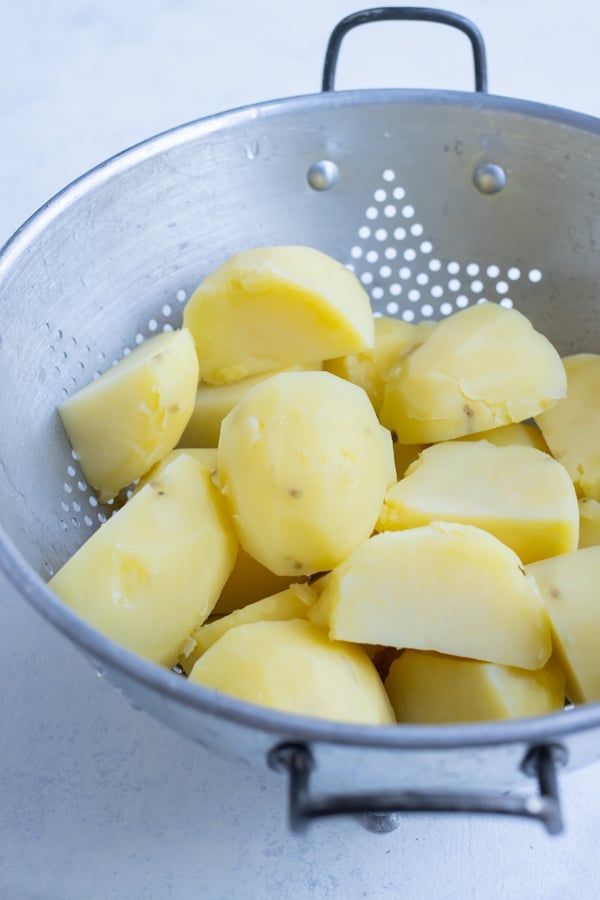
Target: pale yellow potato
431, 688
480, 368
520, 433
570, 588
294, 667
451, 588
304, 465
572, 428
369, 368
589, 522
152, 573
519, 494
134, 414
205, 455
214, 401
293, 603
272, 307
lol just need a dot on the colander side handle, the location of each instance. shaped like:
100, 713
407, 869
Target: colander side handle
411, 13
381, 809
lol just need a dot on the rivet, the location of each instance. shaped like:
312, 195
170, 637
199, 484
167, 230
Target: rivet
489, 178
323, 175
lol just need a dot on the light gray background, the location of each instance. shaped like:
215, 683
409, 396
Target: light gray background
99, 801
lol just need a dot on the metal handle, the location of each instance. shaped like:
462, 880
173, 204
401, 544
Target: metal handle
412, 13
540, 763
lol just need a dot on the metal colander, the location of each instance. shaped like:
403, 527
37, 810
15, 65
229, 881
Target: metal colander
437, 200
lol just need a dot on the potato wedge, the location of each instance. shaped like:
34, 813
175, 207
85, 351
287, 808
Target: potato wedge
143, 578
569, 586
272, 307
519, 494
480, 368
129, 418
572, 428
431, 688
451, 588
294, 667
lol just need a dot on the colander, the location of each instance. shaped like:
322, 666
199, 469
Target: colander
437, 200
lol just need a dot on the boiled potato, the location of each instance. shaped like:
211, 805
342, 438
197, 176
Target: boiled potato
432, 688
293, 603
272, 307
451, 588
369, 368
520, 495
589, 522
207, 456
572, 428
214, 401
480, 368
569, 586
133, 415
303, 464
506, 435
143, 578
293, 666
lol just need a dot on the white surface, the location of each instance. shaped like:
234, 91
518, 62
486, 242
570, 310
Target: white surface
102, 802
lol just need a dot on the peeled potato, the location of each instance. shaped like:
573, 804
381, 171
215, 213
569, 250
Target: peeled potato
451, 588
569, 586
520, 433
272, 307
134, 414
293, 603
519, 494
480, 368
369, 368
207, 456
152, 573
572, 428
303, 464
431, 688
294, 667
589, 522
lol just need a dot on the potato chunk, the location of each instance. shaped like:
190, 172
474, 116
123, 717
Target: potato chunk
293, 603
272, 307
445, 587
569, 585
133, 415
369, 368
294, 667
520, 433
589, 522
572, 428
480, 368
152, 573
520, 495
430, 688
304, 464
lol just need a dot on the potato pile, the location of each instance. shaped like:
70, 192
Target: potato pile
346, 516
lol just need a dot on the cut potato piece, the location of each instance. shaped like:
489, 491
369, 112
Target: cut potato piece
207, 456
133, 415
507, 435
446, 587
369, 368
520, 495
250, 581
304, 465
430, 688
293, 603
572, 427
152, 573
273, 307
214, 401
569, 587
480, 368
589, 523
294, 667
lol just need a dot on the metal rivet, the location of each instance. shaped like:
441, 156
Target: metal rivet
489, 178
380, 823
323, 175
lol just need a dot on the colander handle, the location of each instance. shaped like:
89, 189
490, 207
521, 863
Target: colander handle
412, 13
381, 809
